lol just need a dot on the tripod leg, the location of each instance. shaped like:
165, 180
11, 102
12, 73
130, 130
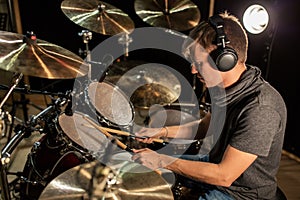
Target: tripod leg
5, 195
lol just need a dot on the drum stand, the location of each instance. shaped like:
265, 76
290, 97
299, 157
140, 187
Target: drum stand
86, 37
4, 159
22, 131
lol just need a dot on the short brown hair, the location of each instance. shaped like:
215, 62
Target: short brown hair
205, 35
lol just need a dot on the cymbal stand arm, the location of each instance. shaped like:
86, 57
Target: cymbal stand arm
16, 82
125, 40
86, 37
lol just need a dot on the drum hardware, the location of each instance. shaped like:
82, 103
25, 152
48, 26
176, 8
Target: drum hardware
10, 90
86, 37
97, 16
5, 122
125, 40
17, 79
95, 67
21, 131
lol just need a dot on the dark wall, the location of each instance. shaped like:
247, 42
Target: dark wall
285, 70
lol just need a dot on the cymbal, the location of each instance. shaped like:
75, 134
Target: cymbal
97, 16
145, 83
178, 15
34, 57
125, 180
151, 94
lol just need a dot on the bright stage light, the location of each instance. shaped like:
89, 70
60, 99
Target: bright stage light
255, 19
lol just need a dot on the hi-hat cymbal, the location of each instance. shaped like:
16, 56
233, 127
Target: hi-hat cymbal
125, 180
33, 57
97, 16
178, 15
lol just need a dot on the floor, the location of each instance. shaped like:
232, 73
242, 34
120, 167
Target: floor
288, 175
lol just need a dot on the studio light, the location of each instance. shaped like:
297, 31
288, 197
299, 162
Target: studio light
255, 19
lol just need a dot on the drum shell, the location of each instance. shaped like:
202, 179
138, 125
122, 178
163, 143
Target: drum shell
48, 158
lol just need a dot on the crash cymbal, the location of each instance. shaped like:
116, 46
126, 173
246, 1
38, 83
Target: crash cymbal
97, 16
33, 57
145, 83
151, 94
178, 15
125, 180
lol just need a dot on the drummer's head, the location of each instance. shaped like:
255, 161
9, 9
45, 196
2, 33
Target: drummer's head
203, 45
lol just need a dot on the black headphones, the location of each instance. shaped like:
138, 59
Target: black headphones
224, 57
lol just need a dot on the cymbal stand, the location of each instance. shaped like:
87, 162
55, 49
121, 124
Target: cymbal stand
6, 96
86, 37
125, 40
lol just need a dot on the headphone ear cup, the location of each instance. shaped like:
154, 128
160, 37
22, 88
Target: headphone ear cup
224, 58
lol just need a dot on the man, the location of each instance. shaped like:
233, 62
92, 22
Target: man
248, 119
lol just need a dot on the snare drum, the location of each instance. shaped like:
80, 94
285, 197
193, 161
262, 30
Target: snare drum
112, 106
73, 142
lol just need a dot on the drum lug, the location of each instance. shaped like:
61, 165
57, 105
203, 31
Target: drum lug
36, 146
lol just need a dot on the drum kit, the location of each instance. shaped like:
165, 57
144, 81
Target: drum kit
72, 159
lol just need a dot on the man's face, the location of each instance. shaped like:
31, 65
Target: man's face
204, 67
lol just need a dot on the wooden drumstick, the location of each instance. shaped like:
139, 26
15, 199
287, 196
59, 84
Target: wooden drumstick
101, 128
112, 138
128, 134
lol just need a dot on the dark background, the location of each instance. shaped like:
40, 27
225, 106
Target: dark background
275, 51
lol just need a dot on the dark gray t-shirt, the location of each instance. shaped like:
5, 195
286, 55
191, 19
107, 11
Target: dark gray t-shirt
255, 123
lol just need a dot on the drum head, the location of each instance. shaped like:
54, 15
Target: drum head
82, 132
111, 103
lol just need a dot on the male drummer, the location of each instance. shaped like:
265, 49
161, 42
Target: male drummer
248, 120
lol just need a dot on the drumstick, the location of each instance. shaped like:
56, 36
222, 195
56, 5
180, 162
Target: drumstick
113, 139
128, 134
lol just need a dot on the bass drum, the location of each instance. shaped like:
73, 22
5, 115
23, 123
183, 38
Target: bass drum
70, 142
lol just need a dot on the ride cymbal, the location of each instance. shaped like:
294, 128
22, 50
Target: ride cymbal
97, 16
125, 180
33, 57
178, 15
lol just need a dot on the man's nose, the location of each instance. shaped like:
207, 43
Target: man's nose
193, 69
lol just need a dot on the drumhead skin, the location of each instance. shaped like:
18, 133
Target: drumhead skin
82, 132
111, 103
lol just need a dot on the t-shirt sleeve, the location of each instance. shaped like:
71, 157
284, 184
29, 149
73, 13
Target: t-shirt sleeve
255, 130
